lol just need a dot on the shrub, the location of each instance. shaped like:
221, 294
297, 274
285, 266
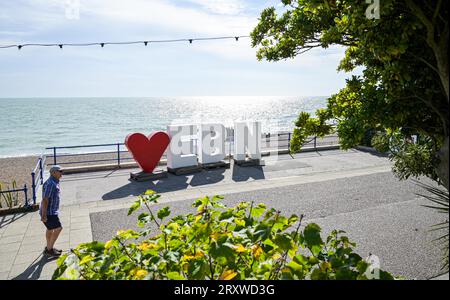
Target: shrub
11, 198
247, 241
440, 202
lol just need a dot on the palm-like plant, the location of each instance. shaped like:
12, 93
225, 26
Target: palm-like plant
11, 198
440, 199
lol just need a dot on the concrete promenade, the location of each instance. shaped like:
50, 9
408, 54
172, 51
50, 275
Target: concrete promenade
89, 197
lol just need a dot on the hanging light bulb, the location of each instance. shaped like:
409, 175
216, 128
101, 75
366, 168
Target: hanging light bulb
60, 46
102, 44
145, 43
19, 47
237, 38
190, 41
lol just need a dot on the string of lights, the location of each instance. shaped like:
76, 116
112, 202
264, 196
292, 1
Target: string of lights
103, 44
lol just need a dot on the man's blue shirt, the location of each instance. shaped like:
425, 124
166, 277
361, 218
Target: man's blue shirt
51, 190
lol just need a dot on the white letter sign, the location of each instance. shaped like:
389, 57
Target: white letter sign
211, 146
247, 140
181, 149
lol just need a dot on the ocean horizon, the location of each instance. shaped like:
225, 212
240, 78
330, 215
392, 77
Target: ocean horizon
29, 125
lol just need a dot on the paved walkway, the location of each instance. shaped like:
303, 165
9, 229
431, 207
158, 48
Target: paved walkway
22, 235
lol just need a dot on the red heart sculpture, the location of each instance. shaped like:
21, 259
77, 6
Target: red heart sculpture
147, 151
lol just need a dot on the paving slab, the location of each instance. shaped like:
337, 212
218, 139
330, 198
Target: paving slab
12, 239
12, 247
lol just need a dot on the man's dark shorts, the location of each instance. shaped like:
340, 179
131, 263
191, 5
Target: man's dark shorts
52, 222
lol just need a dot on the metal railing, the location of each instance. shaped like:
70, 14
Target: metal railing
116, 146
37, 177
282, 140
24, 190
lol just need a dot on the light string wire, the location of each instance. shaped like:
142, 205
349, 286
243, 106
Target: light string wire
102, 44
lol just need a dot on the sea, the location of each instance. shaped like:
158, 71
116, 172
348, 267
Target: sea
29, 125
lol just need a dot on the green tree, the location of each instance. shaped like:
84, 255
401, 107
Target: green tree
403, 89
306, 126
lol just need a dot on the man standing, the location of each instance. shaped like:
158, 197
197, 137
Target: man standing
48, 210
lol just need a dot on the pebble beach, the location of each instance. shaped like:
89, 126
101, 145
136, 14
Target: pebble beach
16, 169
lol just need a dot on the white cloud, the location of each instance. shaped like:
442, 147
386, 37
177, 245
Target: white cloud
223, 7
168, 16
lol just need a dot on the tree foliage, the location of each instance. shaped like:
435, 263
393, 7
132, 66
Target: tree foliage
306, 126
247, 241
403, 88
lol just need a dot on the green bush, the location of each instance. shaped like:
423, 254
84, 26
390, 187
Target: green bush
439, 197
247, 241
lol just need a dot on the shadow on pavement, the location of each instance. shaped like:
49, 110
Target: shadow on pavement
33, 272
169, 184
182, 182
133, 188
8, 219
245, 173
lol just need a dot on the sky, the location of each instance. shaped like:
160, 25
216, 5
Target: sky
203, 68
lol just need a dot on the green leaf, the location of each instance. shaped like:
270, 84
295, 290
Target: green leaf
163, 212
143, 219
197, 269
175, 276
149, 192
222, 250
346, 274
258, 211
295, 266
262, 231
318, 274
312, 238
96, 246
283, 241
135, 206
86, 259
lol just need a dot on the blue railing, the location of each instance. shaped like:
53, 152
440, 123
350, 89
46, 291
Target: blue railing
37, 177
283, 139
24, 190
117, 151
116, 146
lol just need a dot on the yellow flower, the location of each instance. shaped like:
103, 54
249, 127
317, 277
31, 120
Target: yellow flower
188, 257
147, 246
257, 250
215, 236
227, 275
276, 256
120, 232
140, 274
240, 249
198, 254
108, 244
